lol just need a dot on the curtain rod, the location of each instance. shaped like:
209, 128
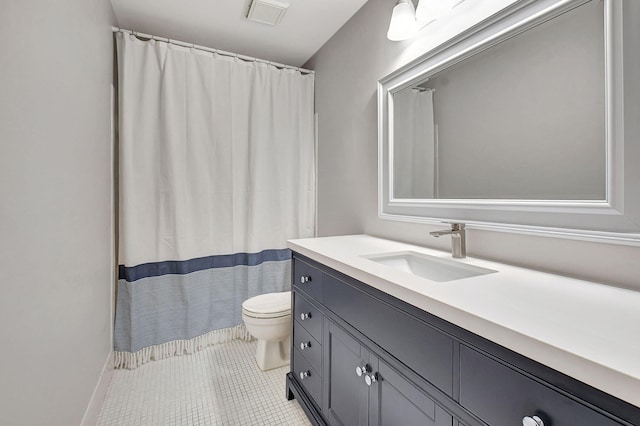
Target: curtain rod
212, 50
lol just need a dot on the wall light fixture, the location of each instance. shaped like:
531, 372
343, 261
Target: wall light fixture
406, 21
403, 23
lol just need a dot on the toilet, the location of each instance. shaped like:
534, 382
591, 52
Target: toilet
268, 319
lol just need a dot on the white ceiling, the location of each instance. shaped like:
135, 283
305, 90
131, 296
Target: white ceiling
222, 24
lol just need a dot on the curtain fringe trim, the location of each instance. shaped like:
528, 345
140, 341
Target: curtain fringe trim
132, 360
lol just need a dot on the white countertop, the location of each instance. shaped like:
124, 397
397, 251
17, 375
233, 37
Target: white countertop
586, 330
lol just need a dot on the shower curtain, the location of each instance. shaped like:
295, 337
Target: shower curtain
414, 148
216, 172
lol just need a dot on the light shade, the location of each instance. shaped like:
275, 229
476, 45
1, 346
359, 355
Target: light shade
428, 10
403, 23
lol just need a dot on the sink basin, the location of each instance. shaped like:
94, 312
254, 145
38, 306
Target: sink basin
429, 267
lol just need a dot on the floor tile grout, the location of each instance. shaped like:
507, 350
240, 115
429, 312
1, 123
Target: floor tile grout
220, 385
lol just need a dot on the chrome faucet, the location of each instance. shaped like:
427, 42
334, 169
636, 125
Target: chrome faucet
458, 242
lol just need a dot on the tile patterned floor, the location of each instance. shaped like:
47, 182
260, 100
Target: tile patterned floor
220, 385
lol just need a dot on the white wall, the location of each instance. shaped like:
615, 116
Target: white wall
347, 70
55, 209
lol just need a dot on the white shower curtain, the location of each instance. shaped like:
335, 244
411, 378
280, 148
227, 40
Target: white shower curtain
414, 146
216, 173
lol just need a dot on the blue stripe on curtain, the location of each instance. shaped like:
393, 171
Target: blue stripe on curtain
182, 305
181, 267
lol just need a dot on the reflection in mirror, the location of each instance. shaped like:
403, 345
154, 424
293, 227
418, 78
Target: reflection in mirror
414, 155
523, 120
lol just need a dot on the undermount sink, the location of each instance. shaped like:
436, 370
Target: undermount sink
429, 267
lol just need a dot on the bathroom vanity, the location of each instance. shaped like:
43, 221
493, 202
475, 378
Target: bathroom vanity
386, 333
376, 344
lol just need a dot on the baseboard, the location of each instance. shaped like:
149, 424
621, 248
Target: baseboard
90, 417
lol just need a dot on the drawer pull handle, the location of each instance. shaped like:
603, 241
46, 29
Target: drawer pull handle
304, 316
370, 379
305, 279
304, 374
362, 369
532, 421
305, 345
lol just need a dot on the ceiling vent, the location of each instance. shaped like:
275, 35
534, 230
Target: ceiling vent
267, 11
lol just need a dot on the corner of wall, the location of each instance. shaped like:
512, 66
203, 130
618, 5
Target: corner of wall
99, 393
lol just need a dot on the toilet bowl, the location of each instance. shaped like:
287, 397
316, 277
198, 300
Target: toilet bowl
268, 319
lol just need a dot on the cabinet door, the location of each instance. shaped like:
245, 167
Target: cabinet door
346, 394
396, 401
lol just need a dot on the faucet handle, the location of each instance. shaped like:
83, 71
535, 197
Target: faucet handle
458, 238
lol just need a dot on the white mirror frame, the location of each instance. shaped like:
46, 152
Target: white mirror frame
615, 219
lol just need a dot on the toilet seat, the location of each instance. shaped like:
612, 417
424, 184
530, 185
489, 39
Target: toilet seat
270, 305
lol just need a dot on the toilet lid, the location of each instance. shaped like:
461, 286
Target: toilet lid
268, 304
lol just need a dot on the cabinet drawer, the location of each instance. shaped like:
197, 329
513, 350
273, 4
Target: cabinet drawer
500, 395
419, 346
307, 376
307, 345
308, 316
307, 279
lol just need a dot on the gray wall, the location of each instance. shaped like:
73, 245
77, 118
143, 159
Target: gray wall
348, 67
56, 211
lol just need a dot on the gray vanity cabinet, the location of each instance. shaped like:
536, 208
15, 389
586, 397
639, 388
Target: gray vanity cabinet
361, 357
363, 390
338, 379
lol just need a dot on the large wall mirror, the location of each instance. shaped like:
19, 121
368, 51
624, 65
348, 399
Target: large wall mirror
519, 124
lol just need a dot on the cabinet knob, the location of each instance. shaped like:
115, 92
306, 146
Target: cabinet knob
370, 379
304, 316
305, 345
362, 369
305, 279
304, 374
532, 421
